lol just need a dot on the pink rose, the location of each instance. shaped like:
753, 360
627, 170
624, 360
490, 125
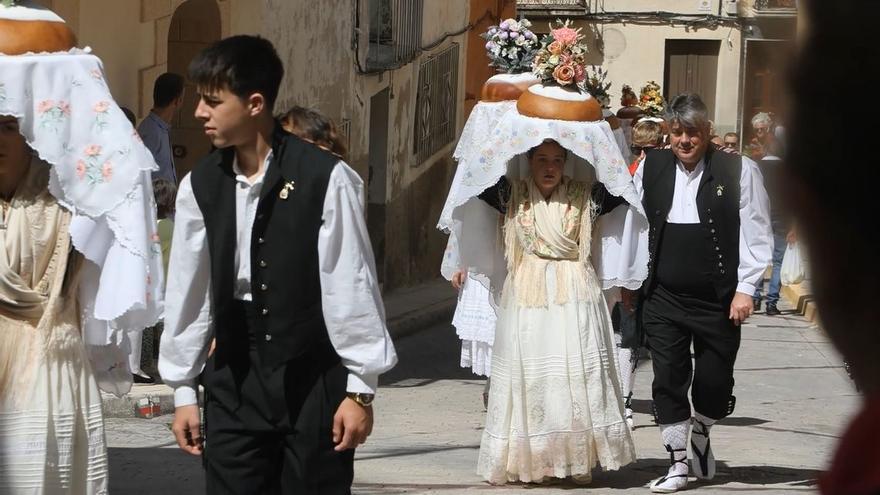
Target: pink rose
80, 169
555, 48
45, 105
565, 35
564, 74
93, 150
580, 74
107, 170
101, 106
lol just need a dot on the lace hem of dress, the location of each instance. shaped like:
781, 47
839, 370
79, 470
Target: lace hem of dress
532, 458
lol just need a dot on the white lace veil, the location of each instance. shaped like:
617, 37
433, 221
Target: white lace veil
620, 251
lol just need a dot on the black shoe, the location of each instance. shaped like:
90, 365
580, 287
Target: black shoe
772, 310
142, 379
756, 305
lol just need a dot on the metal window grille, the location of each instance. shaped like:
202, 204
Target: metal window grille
436, 103
395, 32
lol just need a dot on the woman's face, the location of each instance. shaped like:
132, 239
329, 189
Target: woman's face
13, 149
547, 163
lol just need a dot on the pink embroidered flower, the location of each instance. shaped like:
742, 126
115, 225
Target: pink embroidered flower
64, 107
149, 280
565, 35
555, 48
96, 74
93, 150
155, 237
564, 74
107, 171
80, 169
101, 106
45, 105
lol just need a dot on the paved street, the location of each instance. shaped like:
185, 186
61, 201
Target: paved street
793, 398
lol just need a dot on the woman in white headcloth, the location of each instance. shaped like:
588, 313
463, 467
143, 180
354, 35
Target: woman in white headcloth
77, 256
510, 47
551, 167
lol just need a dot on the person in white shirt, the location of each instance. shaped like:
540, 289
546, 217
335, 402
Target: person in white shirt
710, 243
272, 259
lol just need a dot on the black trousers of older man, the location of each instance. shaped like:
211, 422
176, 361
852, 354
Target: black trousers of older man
683, 309
269, 430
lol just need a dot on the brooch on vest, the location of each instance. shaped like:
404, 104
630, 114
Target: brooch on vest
285, 191
719, 190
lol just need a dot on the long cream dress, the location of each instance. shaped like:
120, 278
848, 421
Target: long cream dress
555, 408
51, 425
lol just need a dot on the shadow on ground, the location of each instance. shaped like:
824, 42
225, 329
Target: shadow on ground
151, 471
425, 357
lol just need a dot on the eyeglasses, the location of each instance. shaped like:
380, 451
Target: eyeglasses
637, 150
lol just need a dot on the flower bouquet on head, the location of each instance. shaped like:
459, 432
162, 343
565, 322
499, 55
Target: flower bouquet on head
597, 87
651, 100
511, 46
562, 58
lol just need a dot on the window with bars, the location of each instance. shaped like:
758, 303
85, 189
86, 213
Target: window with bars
395, 32
436, 103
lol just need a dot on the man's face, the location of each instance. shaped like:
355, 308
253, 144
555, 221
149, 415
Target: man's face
13, 149
688, 143
228, 119
762, 131
731, 142
547, 163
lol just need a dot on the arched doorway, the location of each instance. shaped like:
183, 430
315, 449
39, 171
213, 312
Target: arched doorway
194, 26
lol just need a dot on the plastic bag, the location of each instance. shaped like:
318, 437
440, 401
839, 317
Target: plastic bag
793, 270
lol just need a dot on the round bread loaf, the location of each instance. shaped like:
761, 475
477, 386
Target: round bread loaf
557, 103
506, 87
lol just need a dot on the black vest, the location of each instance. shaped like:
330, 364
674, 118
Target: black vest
284, 251
718, 199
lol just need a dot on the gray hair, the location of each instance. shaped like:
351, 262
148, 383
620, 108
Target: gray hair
762, 118
688, 110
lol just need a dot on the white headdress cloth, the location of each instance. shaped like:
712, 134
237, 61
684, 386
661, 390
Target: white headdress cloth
100, 171
620, 250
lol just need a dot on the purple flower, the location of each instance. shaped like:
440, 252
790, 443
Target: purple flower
503, 35
489, 45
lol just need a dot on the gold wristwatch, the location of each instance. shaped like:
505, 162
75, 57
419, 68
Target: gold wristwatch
364, 400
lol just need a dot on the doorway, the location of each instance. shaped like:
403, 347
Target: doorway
195, 25
692, 67
377, 182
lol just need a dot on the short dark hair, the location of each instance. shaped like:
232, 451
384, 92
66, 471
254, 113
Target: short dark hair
312, 126
129, 115
243, 64
165, 193
167, 88
688, 110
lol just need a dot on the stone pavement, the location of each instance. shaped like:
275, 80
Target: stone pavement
793, 400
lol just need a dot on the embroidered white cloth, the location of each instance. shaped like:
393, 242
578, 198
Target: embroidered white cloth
100, 171
620, 251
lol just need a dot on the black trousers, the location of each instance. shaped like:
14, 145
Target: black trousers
270, 431
672, 322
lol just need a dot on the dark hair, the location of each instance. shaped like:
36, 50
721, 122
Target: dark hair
129, 115
243, 64
532, 151
167, 88
165, 193
312, 126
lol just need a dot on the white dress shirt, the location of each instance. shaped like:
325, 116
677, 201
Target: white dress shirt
352, 305
755, 234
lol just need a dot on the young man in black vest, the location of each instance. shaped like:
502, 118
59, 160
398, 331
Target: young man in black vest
271, 258
710, 243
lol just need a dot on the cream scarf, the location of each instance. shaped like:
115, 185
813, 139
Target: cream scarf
28, 245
